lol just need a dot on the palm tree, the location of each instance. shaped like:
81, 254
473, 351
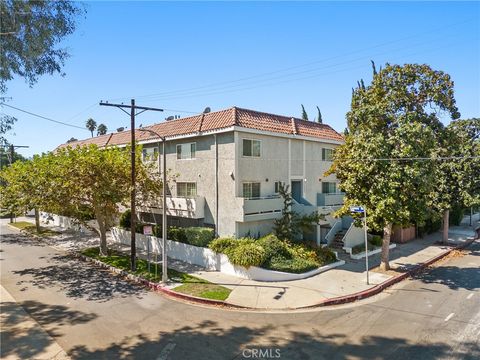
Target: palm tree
91, 125
102, 129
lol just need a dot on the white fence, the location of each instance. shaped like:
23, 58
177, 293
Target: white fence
210, 260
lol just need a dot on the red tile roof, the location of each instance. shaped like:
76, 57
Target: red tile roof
217, 120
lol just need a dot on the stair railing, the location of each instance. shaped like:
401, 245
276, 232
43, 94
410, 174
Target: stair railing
333, 231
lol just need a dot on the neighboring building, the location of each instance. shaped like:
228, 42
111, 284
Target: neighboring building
230, 163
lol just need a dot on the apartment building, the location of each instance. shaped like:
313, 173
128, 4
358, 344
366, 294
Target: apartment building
229, 164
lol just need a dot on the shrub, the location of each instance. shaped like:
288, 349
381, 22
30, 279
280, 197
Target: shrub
199, 236
325, 255
294, 265
301, 252
176, 234
360, 248
247, 254
223, 245
125, 220
376, 240
273, 246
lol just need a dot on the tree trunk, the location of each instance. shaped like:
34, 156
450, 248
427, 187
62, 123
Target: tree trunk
387, 233
102, 231
37, 221
446, 216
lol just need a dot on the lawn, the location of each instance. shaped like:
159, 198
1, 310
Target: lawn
191, 285
31, 229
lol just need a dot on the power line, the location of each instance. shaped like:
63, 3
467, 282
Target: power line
215, 85
44, 117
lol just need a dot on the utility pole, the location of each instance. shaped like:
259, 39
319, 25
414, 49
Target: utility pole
133, 220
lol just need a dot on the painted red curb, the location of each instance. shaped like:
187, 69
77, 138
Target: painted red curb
327, 302
387, 283
158, 287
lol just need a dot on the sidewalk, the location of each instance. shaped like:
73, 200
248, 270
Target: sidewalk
341, 281
22, 337
344, 280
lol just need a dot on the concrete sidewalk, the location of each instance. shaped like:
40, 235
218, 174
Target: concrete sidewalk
344, 280
341, 281
21, 336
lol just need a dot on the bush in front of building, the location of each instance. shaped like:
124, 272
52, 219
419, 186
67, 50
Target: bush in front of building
199, 236
275, 254
294, 265
247, 254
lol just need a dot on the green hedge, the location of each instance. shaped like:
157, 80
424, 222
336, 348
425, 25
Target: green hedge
247, 254
272, 253
294, 265
376, 240
197, 236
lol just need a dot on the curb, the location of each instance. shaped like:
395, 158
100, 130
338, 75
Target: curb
158, 287
387, 283
327, 302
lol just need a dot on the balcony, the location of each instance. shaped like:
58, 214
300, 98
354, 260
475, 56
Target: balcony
333, 199
263, 208
193, 208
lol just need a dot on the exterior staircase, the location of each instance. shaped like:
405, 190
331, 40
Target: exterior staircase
337, 242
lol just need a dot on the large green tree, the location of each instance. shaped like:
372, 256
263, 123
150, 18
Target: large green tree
393, 122
30, 37
76, 181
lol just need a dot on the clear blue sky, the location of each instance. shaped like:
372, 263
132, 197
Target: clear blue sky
287, 53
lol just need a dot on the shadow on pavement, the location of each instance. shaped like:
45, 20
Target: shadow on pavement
79, 280
208, 340
454, 277
22, 340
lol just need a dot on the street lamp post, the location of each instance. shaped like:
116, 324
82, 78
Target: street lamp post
164, 202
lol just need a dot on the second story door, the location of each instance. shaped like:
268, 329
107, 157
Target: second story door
297, 190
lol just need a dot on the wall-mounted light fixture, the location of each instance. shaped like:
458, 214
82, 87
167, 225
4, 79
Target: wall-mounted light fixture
231, 175
266, 180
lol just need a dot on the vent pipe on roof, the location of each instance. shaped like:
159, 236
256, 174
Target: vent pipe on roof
120, 129
207, 110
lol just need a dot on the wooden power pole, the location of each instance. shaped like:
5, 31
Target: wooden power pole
133, 220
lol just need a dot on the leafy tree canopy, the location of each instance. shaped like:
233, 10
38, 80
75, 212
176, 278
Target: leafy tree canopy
395, 117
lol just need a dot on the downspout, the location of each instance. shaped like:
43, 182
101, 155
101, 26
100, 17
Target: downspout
216, 185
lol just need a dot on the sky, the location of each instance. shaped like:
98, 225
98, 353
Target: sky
267, 56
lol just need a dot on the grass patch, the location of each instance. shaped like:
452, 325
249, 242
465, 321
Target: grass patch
193, 285
204, 290
31, 228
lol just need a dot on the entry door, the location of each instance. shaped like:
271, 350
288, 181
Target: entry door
297, 190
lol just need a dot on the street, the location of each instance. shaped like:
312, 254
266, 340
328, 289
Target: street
93, 314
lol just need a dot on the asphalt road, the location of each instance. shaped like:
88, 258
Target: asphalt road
92, 314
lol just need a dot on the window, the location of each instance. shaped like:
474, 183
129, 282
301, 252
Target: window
277, 186
150, 154
327, 154
329, 187
186, 151
251, 147
186, 189
251, 190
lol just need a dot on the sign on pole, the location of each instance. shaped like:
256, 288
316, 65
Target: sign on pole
147, 230
357, 209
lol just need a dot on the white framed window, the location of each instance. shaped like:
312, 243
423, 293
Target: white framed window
186, 151
186, 189
329, 187
327, 154
252, 148
150, 154
251, 190
277, 186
